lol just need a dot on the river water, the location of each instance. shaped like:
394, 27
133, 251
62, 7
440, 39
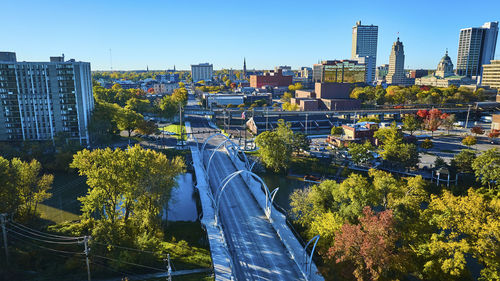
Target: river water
182, 204
287, 185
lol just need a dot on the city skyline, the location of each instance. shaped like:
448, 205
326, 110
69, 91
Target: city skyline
166, 34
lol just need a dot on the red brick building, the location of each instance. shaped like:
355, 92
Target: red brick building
273, 79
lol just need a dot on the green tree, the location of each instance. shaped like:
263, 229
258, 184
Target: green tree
487, 168
361, 153
23, 186
275, 153
336, 131
394, 150
128, 120
300, 142
147, 127
136, 182
449, 122
427, 144
275, 147
138, 105
411, 123
463, 161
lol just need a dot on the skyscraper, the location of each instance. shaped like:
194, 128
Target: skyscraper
396, 74
476, 47
39, 100
364, 45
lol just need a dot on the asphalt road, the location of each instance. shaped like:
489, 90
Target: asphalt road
256, 249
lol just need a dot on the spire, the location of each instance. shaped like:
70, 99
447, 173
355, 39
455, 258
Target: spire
174, 67
244, 67
446, 51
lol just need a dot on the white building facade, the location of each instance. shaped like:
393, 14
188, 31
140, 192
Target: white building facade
202, 71
39, 100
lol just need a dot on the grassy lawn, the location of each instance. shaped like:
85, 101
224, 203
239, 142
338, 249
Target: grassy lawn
174, 128
64, 205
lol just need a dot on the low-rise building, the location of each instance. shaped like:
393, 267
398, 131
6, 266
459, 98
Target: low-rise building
272, 78
316, 124
220, 99
358, 133
165, 88
329, 96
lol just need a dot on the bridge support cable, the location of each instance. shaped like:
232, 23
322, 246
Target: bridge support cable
227, 180
308, 260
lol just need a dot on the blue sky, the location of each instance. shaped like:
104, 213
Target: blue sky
268, 33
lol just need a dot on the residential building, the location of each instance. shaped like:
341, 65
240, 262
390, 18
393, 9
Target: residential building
476, 47
491, 74
168, 78
339, 71
39, 100
396, 74
165, 88
272, 78
364, 47
202, 71
444, 75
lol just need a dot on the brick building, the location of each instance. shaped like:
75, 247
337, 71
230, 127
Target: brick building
273, 79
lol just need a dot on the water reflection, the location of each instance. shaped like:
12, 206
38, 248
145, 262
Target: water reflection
182, 204
287, 185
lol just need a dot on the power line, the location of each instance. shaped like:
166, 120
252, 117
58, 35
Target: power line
125, 248
122, 272
130, 263
46, 248
41, 240
46, 235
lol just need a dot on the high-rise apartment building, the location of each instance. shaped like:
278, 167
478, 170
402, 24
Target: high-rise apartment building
202, 71
476, 47
39, 100
364, 47
396, 74
491, 74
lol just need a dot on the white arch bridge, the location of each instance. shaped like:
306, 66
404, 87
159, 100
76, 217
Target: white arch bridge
258, 240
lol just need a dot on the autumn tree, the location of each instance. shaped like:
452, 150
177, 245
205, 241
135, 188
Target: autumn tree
462, 227
370, 246
477, 130
432, 119
469, 141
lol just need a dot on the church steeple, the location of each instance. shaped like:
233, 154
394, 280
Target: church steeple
244, 68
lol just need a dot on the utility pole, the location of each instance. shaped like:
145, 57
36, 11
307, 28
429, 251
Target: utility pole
306, 122
3, 218
467, 120
180, 122
169, 268
85, 242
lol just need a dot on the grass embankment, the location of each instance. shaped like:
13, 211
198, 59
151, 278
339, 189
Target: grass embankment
311, 165
176, 129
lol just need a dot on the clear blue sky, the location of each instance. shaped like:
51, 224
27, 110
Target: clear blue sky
267, 32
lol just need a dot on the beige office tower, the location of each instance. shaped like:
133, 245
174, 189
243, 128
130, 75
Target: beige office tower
396, 74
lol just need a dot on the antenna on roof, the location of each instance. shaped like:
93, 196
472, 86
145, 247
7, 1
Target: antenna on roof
110, 60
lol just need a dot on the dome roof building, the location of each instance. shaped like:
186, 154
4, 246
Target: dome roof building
445, 67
